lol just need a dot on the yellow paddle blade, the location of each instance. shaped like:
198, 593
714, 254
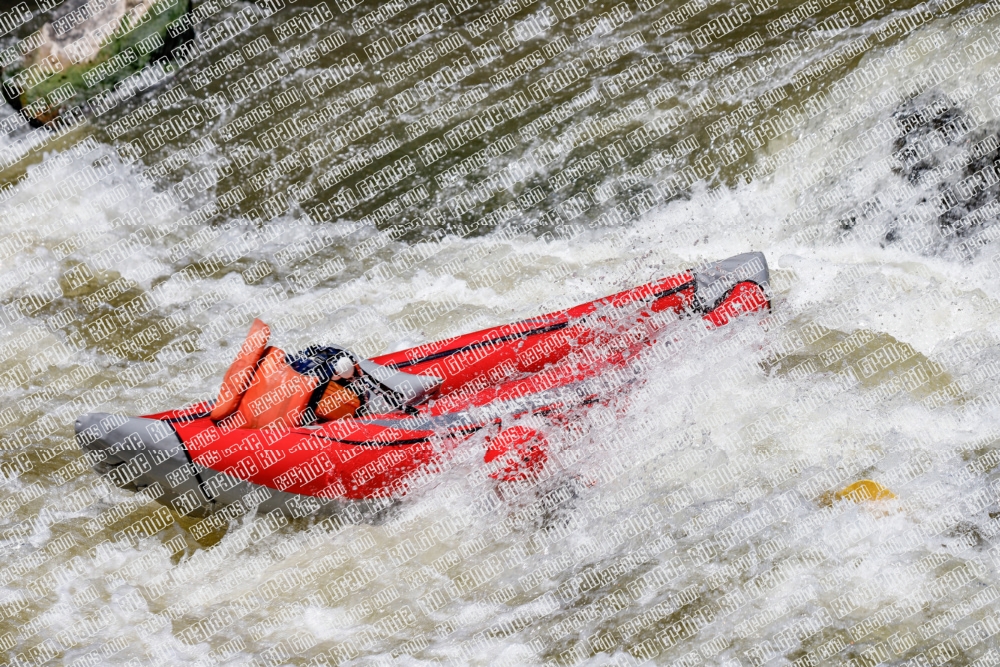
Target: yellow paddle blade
865, 489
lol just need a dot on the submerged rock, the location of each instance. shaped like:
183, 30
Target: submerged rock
88, 48
947, 153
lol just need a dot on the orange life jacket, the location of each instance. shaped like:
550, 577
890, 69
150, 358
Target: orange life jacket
337, 402
240, 374
261, 390
278, 395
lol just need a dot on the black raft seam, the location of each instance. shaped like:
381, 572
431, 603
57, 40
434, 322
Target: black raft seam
482, 343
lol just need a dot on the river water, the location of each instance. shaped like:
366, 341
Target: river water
694, 520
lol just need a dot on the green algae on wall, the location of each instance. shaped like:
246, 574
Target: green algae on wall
79, 61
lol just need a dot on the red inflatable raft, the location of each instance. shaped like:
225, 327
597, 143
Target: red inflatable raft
297, 432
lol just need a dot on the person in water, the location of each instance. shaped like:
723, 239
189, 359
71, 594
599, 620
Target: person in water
264, 387
341, 390
344, 389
